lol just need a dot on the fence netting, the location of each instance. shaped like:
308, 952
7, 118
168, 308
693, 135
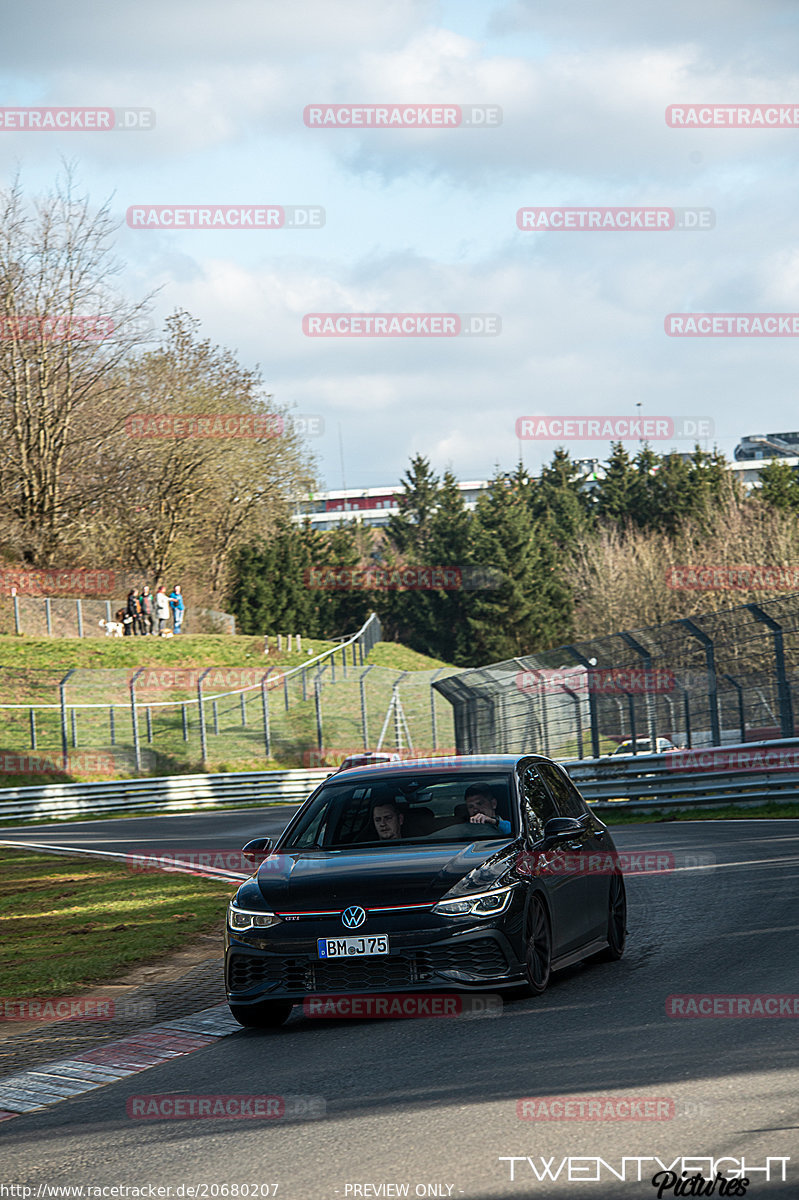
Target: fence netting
719, 678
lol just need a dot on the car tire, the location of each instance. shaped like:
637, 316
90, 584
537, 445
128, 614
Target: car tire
269, 1014
538, 959
617, 921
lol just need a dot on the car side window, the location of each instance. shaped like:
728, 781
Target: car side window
536, 803
566, 795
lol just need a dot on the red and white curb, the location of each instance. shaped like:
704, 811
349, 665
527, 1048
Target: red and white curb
30, 1091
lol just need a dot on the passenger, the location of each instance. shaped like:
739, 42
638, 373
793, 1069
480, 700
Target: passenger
387, 819
481, 806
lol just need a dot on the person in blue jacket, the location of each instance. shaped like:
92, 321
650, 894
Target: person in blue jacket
482, 808
178, 608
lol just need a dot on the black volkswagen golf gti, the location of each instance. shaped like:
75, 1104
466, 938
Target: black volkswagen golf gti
452, 874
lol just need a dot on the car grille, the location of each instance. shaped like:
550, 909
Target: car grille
482, 956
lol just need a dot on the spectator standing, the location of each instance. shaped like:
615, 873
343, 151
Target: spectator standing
147, 610
178, 608
161, 608
134, 612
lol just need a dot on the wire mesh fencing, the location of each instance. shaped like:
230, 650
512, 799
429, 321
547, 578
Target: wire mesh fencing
715, 679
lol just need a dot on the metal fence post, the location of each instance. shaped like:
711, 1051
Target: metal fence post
201, 712
265, 707
243, 709
318, 703
108, 611
74, 724
589, 663
216, 717
304, 685
33, 727
579, 718
79, 607
712, 691
134, 718
783, 687
17, 629
741, 718
48, 616
185, 716
286, 690
649, 703
112, 724
149, 714
62, 690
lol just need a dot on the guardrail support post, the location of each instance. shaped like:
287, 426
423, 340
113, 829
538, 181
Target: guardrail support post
712, 691
783, 687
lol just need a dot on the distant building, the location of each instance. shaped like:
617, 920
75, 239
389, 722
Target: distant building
374, 506
767, 445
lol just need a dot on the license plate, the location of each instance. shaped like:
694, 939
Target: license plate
346, 947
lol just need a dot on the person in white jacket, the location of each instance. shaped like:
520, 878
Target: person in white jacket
161, 609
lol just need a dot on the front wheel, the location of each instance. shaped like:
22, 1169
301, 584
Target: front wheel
269, 1014
617, 921
538, 965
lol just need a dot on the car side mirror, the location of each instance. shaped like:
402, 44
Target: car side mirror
257, 850
559, 830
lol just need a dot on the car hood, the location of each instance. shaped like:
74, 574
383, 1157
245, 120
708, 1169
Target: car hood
306, 880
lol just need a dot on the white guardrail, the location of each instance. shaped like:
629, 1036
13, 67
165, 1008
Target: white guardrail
752, 773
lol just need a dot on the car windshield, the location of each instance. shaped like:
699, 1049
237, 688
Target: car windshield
421, 809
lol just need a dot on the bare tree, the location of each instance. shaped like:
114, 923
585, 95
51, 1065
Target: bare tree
64, 334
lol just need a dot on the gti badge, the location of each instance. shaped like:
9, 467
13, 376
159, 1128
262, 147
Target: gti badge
353, 917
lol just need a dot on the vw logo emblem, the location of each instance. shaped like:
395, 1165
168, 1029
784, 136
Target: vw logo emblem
353, 917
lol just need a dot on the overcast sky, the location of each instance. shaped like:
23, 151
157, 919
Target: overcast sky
424, 220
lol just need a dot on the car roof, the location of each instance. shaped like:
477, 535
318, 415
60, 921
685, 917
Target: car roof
462, 762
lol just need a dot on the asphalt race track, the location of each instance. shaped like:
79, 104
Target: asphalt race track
429, 1107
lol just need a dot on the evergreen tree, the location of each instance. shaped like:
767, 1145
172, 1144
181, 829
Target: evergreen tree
779, 486
615, 495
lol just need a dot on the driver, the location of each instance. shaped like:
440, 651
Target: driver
481, 806
387, 819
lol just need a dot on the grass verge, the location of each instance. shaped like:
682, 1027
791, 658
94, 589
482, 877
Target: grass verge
730, 812
66, 924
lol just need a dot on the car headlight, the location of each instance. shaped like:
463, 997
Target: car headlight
243, 918
483, 904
